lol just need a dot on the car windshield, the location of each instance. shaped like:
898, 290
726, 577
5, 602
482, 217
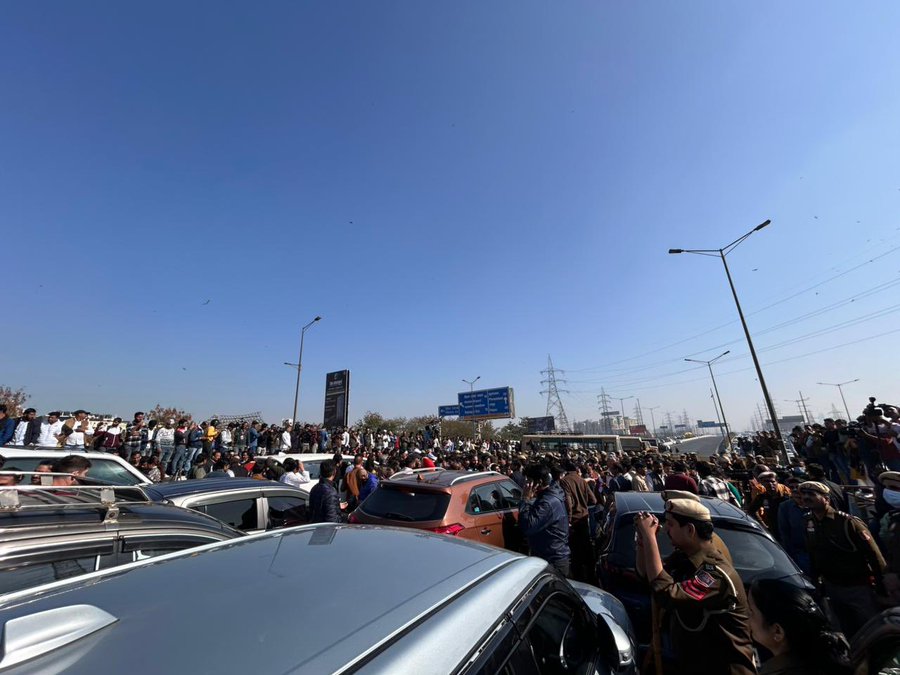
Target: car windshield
103, 470
406, 505
754, 554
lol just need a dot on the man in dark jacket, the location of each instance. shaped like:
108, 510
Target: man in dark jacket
544, 521
324, 503
579, 499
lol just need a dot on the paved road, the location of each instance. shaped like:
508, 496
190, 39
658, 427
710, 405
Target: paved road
704, 446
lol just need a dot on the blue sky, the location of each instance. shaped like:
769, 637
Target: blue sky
458, 189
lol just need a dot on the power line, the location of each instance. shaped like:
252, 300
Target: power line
729, 323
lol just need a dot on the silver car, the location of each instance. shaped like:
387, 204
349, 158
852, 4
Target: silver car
320, 599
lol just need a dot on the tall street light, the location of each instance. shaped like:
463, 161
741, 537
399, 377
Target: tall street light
300, 366
721, 253
839, 386
718, 398
471, 384
622, 409
653, 418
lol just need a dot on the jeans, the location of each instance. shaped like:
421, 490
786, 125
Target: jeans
165, 454
190, 457
178, 458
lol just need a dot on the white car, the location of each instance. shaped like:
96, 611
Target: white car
105, 466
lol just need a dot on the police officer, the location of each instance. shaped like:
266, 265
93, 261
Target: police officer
844, 556
706, 619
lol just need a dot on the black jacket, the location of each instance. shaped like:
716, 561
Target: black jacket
32, 432
545, 524
324, 503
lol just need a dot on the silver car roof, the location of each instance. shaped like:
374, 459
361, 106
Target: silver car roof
312, 599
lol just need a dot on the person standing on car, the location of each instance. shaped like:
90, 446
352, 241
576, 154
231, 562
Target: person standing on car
28, 429
7, 425
579, 498
50, 430
543, 518
706, 617
844, 555
324, 503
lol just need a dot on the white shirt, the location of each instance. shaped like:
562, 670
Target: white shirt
19, 434
49, 432
75, 440
225, 436
285, 440
165, 438
345, 439
296, 479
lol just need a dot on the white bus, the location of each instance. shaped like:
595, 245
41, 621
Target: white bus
591, 443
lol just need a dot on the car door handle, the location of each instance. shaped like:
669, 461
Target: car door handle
485, 531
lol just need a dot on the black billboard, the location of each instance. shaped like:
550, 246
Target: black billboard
337, 398
540, 425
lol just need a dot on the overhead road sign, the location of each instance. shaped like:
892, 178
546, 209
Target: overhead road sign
487, 403
709, 425
448, 411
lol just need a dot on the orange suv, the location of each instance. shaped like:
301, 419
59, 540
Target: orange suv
480, 506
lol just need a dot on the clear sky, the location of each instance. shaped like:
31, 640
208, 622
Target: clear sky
459, 189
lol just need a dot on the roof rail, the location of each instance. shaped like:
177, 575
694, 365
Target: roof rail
405, 473
470, 476
68, 496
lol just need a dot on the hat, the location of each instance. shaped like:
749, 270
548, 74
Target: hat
171, 420
814, 486
431, 456
890, 479
679, 494
765, 475
688, 508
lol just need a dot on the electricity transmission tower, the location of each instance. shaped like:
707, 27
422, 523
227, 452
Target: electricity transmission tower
603, 400
554, 402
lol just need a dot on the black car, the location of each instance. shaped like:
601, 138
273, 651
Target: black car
53, 534
755, 553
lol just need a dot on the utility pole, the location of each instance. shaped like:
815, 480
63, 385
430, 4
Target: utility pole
653, 418
554, 402
840, 387
809, 419
638, 413
718, 419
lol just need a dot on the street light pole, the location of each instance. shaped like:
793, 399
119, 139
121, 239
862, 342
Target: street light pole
622, 410
653, 418
841, 390
721, 253
300, 366
716, 388
471, 384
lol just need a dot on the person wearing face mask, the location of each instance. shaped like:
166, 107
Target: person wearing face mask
889, 533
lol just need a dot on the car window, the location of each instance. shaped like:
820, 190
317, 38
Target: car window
406, 505
286, 511
486, 498
239, 513
43, 568
142, 548
313, 469
561, 637
505, 654
512, 494
751, 552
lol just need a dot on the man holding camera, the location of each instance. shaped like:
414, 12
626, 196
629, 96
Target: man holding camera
704, 606
543, 518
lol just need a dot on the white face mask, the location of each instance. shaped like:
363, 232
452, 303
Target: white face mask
892, 497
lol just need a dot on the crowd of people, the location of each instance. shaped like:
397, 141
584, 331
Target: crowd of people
850, 549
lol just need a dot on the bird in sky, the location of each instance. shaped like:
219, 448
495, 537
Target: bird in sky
207, 302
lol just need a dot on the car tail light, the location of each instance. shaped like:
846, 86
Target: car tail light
353, 520
452, 530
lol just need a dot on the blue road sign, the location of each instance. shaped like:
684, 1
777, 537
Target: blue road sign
448, 411
487, 403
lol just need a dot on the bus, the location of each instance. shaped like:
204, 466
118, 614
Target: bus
590, 443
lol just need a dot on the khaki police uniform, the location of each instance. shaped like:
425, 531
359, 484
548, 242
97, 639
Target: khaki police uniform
705, 611
844, 554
